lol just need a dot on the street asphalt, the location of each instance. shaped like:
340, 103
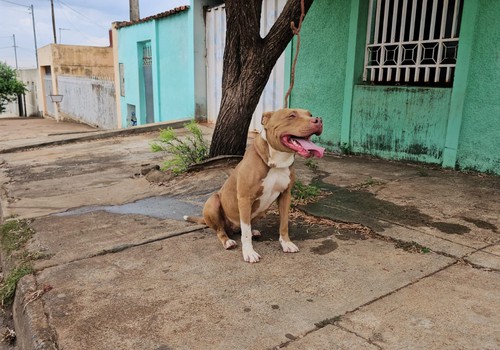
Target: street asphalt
392, 255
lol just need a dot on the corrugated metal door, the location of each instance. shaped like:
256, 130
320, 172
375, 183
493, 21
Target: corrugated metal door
272, 97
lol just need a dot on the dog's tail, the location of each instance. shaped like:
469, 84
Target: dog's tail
195, 219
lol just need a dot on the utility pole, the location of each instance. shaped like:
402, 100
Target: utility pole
34, 33
134, 10
53, 21
19, 96
60, 36
15, 49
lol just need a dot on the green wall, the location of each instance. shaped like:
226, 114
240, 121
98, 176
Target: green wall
479, 142
448, 126
321, 66
400, 122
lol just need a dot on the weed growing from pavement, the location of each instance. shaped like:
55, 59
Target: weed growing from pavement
302, 194
328, 321
368, 183
346, 149
412, 247
8, 287
14, 234
185, 151
311, 164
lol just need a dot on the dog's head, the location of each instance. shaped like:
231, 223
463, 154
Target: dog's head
290, 130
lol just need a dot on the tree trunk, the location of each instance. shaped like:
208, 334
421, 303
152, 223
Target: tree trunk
248, 62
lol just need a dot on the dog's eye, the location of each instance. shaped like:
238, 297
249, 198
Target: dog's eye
292, 116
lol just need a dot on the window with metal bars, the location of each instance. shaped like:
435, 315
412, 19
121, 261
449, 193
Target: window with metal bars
412, 42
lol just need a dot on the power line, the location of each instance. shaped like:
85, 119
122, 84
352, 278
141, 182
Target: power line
74, 28
79, 13
14, 3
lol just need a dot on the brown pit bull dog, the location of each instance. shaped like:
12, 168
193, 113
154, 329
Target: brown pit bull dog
265, 174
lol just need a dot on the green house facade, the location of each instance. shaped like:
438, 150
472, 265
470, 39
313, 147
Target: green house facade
405, 79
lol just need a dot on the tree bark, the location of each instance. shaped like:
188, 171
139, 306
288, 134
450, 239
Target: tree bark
248, 62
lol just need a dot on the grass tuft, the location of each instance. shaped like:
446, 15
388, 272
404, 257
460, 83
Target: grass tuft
8, 286
303, 194
15, 234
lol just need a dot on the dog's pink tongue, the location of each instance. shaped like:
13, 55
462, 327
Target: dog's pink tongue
311, 147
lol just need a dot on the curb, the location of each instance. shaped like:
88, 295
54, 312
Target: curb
176, 124
30, 322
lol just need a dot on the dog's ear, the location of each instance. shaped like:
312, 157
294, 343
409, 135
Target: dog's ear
265, 117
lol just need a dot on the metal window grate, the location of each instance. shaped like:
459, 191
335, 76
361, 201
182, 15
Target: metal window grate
412, 41
147, 58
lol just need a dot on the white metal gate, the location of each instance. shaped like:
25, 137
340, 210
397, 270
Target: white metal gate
47, 80
272, 96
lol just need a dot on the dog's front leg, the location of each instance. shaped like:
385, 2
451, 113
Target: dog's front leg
284, 200
245, 209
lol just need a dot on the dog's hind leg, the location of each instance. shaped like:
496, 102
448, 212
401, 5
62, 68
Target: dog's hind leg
214, 218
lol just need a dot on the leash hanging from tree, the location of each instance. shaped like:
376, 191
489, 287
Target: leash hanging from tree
296, 31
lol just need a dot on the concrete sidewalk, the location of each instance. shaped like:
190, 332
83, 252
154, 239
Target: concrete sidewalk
405, 256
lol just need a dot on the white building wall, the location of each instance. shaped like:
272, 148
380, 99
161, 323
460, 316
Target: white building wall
88, 100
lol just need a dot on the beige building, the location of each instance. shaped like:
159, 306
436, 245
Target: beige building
82, 75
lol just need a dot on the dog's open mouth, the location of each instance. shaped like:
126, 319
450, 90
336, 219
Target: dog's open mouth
303, 146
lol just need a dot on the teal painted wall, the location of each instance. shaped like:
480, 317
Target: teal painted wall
400, 122
129, 39
176, 66
479, 142
321, 66
173, 74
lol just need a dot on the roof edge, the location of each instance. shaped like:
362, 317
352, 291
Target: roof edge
152, 18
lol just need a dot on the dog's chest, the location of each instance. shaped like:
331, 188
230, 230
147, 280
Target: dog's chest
276, 181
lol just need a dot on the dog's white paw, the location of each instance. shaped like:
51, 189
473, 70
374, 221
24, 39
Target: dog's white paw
256, 233
251, 256
230, 244
289, 247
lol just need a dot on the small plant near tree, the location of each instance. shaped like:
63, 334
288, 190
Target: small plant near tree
10, 87
303, 194
185, 151
311, 164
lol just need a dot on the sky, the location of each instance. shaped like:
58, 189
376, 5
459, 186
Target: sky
77, 23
